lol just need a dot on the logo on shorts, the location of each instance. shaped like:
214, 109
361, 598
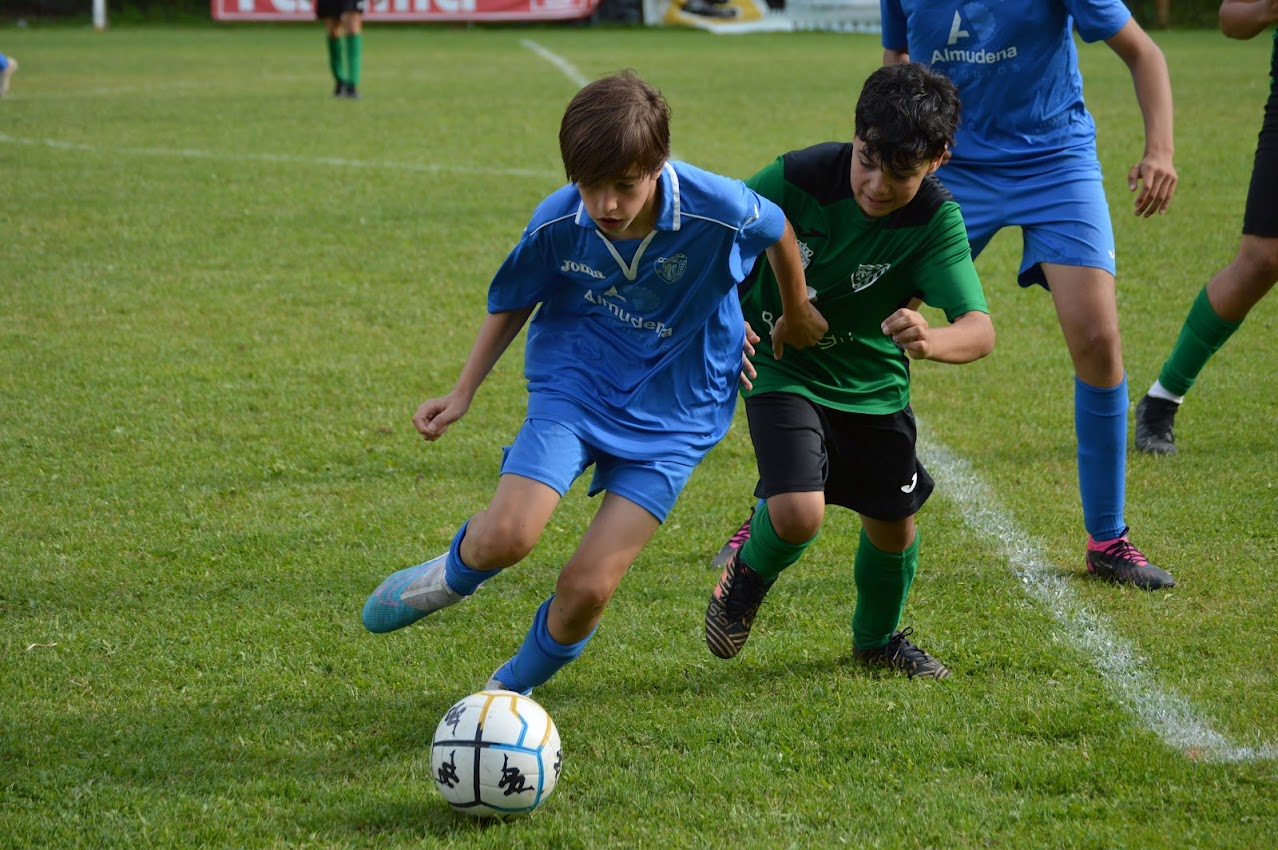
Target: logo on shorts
914, 482
670, 269
865, 276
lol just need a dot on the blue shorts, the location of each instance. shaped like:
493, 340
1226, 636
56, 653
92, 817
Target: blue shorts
548, 452
1063, 213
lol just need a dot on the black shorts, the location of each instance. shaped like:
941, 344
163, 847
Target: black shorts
337, 8
1261, 216
864, 462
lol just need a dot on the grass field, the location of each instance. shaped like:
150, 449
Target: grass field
222, 295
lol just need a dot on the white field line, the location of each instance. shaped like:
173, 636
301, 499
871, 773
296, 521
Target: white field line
291, 159
178, 87
1164, 713
570, 70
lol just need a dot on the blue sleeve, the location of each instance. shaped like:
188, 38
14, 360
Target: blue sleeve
763, 228
1096, 20
893, 25
522, 280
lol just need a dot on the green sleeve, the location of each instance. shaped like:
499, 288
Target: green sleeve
946, 276
769, 182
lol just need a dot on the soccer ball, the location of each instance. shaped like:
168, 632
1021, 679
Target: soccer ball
496, 754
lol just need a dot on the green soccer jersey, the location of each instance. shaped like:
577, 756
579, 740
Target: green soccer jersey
862, 270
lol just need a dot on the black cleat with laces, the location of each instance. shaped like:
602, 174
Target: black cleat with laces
1154, 420
733, 606
900, 654
1120, 562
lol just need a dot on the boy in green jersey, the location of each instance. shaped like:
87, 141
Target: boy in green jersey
832, 423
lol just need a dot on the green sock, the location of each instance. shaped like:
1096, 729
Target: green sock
883, 582
765, 552
354, 56
335, 57
1201, 336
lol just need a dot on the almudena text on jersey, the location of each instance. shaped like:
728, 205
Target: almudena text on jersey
979, 57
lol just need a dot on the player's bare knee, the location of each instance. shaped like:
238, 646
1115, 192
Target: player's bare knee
493, 542
581, 599
1259, 261
797, 525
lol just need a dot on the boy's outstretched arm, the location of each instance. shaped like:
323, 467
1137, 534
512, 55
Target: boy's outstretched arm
499, 329
1154, 174
969, 337
801, 324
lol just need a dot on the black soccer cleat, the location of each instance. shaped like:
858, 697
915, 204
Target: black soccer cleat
1122, 563
900, 654
1154, 419
733, 606
349, 91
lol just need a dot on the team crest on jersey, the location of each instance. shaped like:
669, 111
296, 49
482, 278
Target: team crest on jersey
865, 276
671, 269
805, 253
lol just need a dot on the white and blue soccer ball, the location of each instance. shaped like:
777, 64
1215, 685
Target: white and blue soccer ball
496, 754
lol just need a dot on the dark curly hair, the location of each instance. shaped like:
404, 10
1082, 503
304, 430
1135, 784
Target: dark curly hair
907, 114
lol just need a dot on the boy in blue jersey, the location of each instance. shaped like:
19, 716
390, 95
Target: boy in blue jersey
632, 361
7, 66
1025, 156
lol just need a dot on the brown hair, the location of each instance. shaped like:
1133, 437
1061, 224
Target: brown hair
613, 125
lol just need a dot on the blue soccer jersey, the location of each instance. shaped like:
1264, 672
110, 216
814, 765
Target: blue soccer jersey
636, 344
1015, 66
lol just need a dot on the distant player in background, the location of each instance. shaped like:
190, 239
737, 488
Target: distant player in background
1025, 156
1224, 302
832, 424
344, 26
7, 66
632, 362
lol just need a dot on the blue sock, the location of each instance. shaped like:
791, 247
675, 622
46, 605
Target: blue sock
540, 656
1100, 422
461, 578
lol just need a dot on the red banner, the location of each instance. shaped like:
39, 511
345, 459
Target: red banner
459, 11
